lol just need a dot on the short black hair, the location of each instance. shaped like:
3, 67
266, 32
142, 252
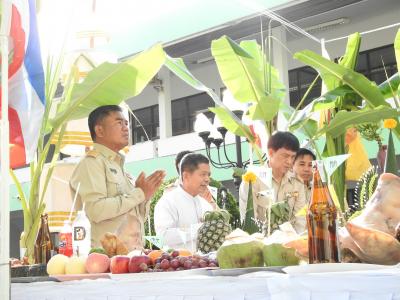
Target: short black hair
304, 151
191, 161
178, 158
283, 139
97, 115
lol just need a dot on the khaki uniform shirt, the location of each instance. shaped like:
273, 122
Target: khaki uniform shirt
290, 189
112, 203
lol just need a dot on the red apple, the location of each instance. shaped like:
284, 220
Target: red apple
136, 261
97, 263
119, 264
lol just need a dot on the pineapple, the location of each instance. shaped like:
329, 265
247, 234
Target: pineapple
212, 233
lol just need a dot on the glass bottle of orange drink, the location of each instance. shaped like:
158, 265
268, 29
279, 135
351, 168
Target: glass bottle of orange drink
322, 221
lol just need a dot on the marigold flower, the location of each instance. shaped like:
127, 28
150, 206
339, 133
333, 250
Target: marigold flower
249, 177
390, 123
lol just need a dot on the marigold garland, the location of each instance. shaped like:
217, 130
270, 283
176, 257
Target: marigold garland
249, 177
390, 123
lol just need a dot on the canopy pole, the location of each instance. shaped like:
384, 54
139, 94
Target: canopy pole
4, 182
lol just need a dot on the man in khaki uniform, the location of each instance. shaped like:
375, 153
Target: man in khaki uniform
112, 200
302, 167
282, 149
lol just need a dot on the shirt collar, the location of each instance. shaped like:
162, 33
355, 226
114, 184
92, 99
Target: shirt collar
180, 188
288, 177
108, 153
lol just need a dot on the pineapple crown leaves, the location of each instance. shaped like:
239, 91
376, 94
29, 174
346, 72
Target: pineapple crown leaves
216, 215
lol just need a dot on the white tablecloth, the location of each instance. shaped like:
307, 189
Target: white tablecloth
365, 285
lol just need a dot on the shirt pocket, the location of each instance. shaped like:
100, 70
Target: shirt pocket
114, 186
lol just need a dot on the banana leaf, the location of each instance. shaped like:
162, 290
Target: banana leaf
348, 61
228, 119
390, 86
397, 49
111, 84
345, 119
307, 127
243, 71
229, 123
326, 101
365, 88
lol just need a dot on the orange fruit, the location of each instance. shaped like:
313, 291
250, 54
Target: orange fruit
184, 252
154, 255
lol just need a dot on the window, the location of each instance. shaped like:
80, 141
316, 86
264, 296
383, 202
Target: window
369, 63
299, 81
184, 111
149, 118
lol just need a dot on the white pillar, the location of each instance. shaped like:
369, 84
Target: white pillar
4, 181
164, 103
280, 57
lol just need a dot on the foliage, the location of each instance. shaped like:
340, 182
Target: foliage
243, 70
251, 80
279, 215
342, 102
106, 84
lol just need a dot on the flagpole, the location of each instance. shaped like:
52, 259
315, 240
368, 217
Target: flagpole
5, 187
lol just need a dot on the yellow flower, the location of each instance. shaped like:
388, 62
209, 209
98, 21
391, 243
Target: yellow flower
390, 123
249, 177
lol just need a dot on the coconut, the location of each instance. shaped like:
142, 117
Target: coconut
240, 250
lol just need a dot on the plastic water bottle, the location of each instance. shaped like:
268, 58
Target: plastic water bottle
81, 234
65, 239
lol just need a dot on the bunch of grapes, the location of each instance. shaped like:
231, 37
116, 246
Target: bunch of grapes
173, 262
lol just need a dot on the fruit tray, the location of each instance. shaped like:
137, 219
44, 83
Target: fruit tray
242, 271
334, 267
81, 276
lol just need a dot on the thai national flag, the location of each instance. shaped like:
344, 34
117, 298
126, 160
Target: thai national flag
26, 80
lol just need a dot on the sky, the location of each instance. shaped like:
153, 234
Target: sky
134, 25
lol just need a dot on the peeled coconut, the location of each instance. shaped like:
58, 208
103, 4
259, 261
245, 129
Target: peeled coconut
56, 264
75, 265
278, 250
279, 255
240, 250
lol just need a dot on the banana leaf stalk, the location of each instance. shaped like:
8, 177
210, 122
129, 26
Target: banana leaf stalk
249, 224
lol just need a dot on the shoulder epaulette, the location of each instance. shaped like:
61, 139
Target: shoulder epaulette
92, 153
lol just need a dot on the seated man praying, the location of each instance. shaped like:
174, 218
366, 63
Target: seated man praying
178, 213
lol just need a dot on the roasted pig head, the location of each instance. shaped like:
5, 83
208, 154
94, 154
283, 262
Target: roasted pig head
371, 236
382, 211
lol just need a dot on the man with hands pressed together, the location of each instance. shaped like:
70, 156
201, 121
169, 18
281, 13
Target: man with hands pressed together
180, 211
109, 193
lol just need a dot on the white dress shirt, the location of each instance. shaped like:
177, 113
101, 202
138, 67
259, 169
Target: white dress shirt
177, 216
